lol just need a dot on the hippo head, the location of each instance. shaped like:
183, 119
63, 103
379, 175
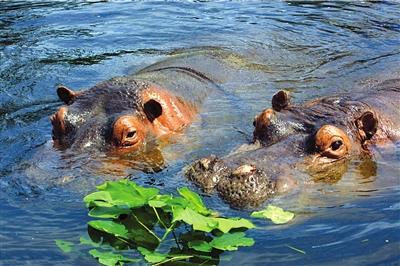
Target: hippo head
329, 129
119, 115
314, 139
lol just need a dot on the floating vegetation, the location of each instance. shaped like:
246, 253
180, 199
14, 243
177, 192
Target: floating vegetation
275, 214
134, 224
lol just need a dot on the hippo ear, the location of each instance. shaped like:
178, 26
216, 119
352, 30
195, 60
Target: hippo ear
66, 95
280, 101
152, 109
367, 125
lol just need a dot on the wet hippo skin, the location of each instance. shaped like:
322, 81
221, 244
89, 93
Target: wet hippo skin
318, 137
120, 113
136, 114
130, 119
138, 109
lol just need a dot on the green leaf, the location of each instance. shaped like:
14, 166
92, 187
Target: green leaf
152, 256
195, 201
110, 227
157, 258
168, 202
207, 224
175, 257
226, 224
226, 241
200, 245
232, 241
275, 214
198, 221
108, 212
160, 201
175, 202
109, 258
99, 198
65, 246
122, 193
86, 241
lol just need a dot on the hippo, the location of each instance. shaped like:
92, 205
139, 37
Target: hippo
135, 114
124, 122
125, 113
317, 138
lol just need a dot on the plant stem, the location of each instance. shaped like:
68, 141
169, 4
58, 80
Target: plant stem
169, 230
145, 227
123, 240
204, 262
159, 219
174, 258
296, 249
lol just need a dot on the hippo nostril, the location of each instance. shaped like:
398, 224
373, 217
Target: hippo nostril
205, 163
215, 179
252, 179
244, 169
207, 172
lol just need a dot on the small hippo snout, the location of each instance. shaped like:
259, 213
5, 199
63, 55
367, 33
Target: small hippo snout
246, 186
207, 172
243, 186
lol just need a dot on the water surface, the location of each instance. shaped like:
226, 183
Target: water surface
311, 48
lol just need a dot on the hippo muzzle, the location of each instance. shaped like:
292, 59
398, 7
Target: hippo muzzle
242, 186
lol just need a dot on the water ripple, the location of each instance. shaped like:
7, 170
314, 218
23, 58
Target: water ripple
312, 48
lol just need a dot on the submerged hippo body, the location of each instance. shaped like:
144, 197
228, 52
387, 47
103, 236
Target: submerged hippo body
317, 138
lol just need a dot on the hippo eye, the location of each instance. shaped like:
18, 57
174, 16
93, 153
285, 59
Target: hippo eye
332, 142
130, 138
131, 134
128, 132
336, 145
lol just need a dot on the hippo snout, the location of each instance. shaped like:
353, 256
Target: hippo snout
246, 186
207, 172
241, 186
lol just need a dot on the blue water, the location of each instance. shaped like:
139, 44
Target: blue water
311, 48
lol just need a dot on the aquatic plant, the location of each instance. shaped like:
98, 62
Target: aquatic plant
135, 223
275, 214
